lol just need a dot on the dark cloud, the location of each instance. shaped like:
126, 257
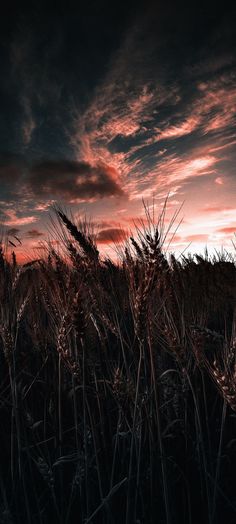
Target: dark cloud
11, 166
111, 234
12, 169
71, 180
67, 180
13, 231
34, 233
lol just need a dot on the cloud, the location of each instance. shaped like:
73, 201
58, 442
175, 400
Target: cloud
219, 181
13, 231
149, 125
214, 209
125, 124
34, 233
121, 114
201, 237
210, 111
182, 129
226, 213
112, 234
21, 54
11, 167
136, 134
113, 115
28, 124
128, 119
177, 239
74, 181
172, 171
11, 218
104, 224
227, 230
213, 64
67, 180
32, 73
228, 144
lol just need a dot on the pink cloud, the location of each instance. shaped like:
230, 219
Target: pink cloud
184, 128
218, 122
218, 97
227, 230
174, 169
219, 181
124, 112
228, 144
214, 110
121, 126
13, 220
214, 209
201, 237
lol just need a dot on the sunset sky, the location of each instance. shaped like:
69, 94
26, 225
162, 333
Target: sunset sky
110, 103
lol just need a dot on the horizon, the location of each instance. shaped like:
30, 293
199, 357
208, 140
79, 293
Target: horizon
111, 242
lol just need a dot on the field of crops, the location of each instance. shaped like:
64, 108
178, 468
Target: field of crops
117, 384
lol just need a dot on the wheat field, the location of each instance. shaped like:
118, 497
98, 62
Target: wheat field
117, 384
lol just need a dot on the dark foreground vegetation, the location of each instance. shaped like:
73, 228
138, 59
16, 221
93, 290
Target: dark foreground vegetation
117, 385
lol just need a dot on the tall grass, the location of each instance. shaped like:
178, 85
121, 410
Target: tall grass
117, 384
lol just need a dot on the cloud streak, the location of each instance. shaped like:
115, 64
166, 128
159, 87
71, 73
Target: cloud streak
110, 235
34, 233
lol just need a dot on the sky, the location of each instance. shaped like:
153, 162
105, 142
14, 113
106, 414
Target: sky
105, 105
